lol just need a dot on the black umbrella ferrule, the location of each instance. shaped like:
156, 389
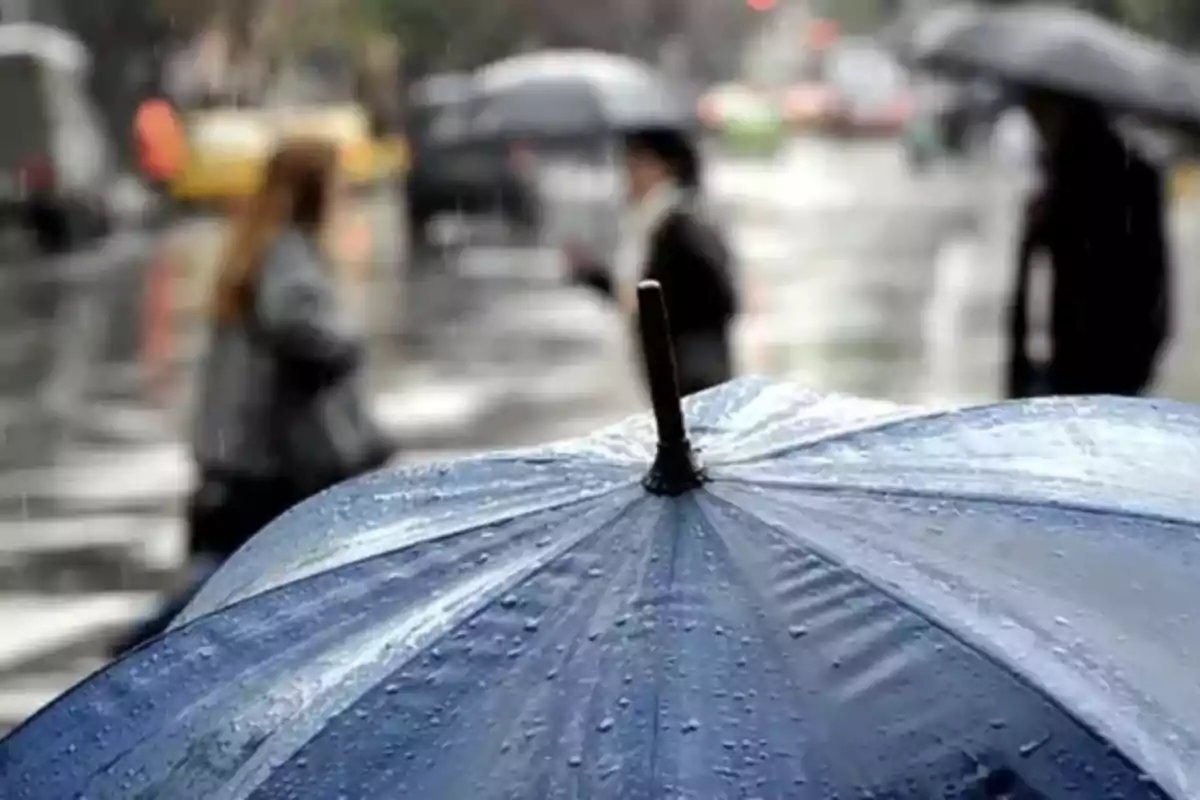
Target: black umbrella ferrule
675, 470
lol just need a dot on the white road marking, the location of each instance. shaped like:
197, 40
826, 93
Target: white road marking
37, 625
942, 321
23, 696
435, 407
104, 478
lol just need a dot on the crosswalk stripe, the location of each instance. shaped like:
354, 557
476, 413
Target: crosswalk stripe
38, 625
22, 696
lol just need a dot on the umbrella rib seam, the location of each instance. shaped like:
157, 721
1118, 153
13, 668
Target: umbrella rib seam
968, 497
840, 434
915, 606
226, 604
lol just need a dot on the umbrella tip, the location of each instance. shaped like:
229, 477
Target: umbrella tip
675, 470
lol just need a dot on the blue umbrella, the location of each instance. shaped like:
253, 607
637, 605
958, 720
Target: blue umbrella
830, 598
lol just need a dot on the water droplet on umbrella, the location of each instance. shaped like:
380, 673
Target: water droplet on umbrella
691, 726
574, 761
606, 724
1029, 748
531, 625
623, 702
621, 620
508, 601
797, 631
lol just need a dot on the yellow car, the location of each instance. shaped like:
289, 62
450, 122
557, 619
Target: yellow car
228, 148
1185, 181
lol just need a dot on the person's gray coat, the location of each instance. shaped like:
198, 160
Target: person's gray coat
280, 391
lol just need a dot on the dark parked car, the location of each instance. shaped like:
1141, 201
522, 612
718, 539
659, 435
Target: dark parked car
456, 168
57, 162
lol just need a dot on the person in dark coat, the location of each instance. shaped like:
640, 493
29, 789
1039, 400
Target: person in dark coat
666, 238
1100, 220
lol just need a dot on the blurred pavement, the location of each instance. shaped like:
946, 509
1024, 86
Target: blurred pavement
859, 276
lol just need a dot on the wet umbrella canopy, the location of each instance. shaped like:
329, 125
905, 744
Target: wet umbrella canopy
851, 599
577, 91
1063, 50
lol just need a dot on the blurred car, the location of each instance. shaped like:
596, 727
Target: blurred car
808, 106
455, 170
57, 162
745, 120
870, 92
228, 147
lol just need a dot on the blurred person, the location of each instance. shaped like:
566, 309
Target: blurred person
666, 238
1099, 218
159, 142
280, 413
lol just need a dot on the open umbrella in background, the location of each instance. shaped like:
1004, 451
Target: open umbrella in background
827, 598
574, 92
1064, 50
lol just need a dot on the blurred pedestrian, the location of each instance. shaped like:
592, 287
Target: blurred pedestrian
280, 414
666, 237
159, 142
1099, 218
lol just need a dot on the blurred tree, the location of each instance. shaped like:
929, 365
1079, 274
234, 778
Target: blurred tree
859, 16
462, 34
1176, 21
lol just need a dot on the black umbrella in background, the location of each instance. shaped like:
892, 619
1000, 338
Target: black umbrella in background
1063, 50
570, 92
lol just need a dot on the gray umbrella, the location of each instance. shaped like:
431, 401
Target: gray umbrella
1063, 50
578, 91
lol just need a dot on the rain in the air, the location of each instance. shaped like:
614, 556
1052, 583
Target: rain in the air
625, 400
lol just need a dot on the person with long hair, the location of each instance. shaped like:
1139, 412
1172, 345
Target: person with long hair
280, 414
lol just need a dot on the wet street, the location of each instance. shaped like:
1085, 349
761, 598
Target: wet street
858, 275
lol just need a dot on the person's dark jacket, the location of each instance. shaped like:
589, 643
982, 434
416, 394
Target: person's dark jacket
689, 258
1100, 220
